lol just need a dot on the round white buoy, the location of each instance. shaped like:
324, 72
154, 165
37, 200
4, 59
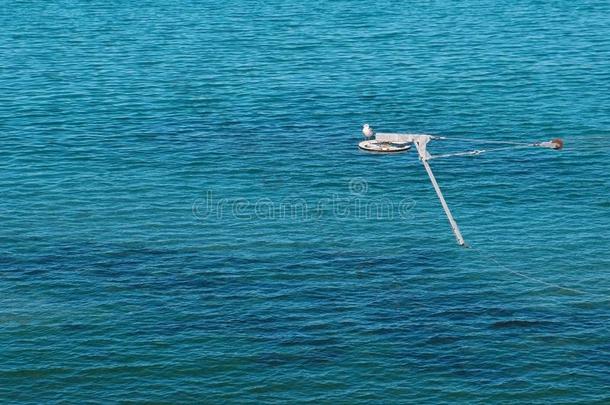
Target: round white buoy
383, 147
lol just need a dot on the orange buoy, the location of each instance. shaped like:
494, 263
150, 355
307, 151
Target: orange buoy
557, 143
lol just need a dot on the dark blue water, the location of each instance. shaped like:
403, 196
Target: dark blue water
181, 210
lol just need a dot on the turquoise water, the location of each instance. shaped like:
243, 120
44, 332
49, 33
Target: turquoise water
181, 185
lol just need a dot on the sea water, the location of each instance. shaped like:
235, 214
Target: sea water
185, 215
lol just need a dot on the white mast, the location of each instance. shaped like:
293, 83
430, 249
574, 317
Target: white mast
420, 143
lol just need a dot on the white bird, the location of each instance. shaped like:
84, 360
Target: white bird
367, 131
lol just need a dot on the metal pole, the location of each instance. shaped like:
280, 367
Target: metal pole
454, 226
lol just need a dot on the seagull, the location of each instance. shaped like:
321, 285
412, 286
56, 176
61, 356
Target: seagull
367, 131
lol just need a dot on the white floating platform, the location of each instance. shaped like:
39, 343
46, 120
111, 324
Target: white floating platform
384, 147
386, 142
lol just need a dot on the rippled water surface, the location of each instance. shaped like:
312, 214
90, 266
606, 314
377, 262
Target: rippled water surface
181, 193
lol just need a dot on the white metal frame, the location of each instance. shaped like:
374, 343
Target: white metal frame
421, 142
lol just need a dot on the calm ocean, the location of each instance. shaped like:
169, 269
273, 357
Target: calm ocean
185, 215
